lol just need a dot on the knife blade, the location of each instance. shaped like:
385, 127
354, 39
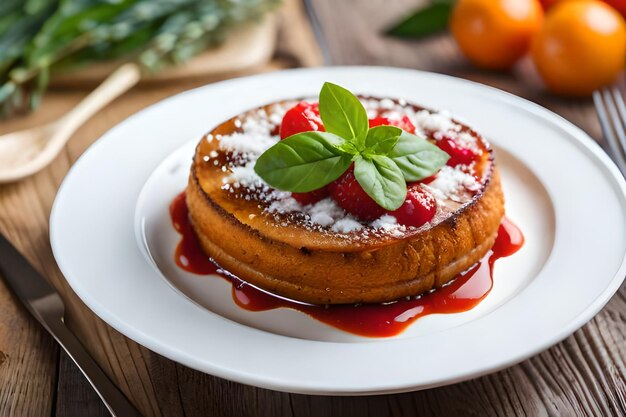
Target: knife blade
45, 304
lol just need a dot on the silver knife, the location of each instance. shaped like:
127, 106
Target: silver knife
45, 304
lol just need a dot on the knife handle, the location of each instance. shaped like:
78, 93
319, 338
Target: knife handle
114, 400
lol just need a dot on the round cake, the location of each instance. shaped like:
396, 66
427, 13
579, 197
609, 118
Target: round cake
325, 247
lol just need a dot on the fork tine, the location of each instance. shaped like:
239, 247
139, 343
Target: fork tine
621, 107
618, 125
606, 113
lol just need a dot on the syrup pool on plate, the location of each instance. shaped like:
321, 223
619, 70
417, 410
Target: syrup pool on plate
465, 292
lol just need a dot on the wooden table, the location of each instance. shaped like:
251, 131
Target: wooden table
583, 375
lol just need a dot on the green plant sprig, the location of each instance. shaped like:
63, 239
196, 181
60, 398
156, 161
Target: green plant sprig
41, 37
426, 21
384, 157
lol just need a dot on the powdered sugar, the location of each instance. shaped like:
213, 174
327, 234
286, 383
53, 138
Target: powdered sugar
454, 184
325, 212
386, 104
288, 204
322, 218
245, 145
248, 142
346, 225
466, 140
434, 122
244, 176
426, 122
389, 225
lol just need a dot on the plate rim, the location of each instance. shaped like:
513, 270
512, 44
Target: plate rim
589, 146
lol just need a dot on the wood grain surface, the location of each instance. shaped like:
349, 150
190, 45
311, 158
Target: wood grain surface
584, 375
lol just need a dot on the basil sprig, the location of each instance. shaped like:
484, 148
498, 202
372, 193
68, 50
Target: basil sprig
384, 157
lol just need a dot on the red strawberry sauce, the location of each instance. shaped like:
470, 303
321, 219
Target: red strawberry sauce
372, 320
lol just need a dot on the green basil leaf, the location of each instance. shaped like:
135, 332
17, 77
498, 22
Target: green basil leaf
380, 140
342, 113
416, 157
382, 180
423, 22
303, 162
348, 147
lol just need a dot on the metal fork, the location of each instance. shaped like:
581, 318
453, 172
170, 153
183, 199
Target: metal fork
611, 111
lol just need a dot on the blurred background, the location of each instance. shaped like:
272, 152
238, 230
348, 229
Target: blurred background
554, 52
54, 53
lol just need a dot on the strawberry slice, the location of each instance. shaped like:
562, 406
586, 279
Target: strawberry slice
418, 209
351, 197
303, 117
458, 154
404, 123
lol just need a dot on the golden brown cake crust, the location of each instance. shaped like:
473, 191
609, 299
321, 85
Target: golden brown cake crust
407, 267
324, 268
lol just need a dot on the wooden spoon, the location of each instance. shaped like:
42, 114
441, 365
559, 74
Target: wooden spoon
28, 151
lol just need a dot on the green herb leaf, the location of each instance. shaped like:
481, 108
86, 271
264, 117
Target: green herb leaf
424, 22
416, 157
382, 180
303, 162
348, 147
343, 114
380, 140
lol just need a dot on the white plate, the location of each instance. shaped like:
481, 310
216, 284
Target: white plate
112, 238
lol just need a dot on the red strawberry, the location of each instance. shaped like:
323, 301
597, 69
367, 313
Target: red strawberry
351, 197
404, 123
311, 197
419, 207
303, 117
458, 155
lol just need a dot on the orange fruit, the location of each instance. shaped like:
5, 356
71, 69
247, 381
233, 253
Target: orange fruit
619, 5
581, 47
494, 34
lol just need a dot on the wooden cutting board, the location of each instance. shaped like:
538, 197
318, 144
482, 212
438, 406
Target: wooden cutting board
246, 47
